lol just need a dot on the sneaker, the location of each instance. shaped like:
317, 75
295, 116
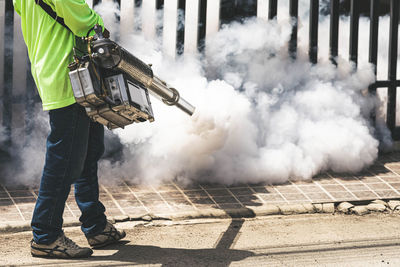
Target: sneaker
109, 235
63, 247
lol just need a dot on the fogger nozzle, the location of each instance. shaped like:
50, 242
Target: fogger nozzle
110, 55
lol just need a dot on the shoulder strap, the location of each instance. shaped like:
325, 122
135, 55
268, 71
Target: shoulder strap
51, 13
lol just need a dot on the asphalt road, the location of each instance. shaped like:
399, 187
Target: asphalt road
298, 240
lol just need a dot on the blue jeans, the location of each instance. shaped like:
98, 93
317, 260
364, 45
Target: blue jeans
74, 146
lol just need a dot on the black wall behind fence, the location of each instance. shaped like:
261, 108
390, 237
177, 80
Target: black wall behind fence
18, 92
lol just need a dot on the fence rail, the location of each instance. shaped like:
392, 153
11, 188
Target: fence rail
202, 19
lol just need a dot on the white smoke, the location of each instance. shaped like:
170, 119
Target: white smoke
260, 116
25, 161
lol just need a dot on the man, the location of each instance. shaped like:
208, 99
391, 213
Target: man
75, 143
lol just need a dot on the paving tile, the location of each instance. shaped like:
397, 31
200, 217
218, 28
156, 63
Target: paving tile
172, 195
325, 179
153, 202
211, 186
365, 194
201, 200
243, 191
218, 192
395, 185
286, 189
141, 188
379, 186
159, 208
20, 193
333, 188
3, 195
22, 200
346, 181
271, 197
5, 202
224, 200
263, 189
11, 217
356, 187
387, 194
113, 212
117, 190
248, 199
179, 202
128, 196
318, 196
340, 195
129, 203
182, 207
196, 193
194, 186
391, 179
28, 216
230, 206
148, 196
26, 207
166, 187
295, 197
368, 180
309, 188
207, 206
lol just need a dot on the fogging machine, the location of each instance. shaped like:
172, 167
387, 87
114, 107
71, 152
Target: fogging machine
113, 85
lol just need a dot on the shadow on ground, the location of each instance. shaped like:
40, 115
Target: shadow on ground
139, 254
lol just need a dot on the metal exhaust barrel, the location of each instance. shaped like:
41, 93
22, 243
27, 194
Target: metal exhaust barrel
109, 55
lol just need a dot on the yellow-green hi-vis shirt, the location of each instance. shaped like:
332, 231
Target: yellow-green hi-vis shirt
50, 45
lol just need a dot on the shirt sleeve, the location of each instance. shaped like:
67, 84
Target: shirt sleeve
17, 7
77, 15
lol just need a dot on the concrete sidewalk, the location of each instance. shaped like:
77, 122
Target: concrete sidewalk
299, 240
173, 201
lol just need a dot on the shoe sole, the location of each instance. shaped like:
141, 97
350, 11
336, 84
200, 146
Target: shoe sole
52, 256
60, 257
108, 242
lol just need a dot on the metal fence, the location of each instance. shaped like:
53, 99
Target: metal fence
202, 18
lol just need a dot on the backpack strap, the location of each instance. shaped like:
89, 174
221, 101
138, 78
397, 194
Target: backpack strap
51, 13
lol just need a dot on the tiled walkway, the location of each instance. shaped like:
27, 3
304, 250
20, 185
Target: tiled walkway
381, 181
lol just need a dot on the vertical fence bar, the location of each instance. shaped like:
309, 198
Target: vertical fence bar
202, 25
228, 10
181, 27
159, 4
272, 9
138, 3
294, 11
213, 17
149, 18
373, 34
392, 68
373, 45
354, 28
8, 69
334, 31
191, 26
262, 9
170, 27
127, 17
313, 43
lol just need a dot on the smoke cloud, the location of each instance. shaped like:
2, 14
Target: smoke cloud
260, 115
